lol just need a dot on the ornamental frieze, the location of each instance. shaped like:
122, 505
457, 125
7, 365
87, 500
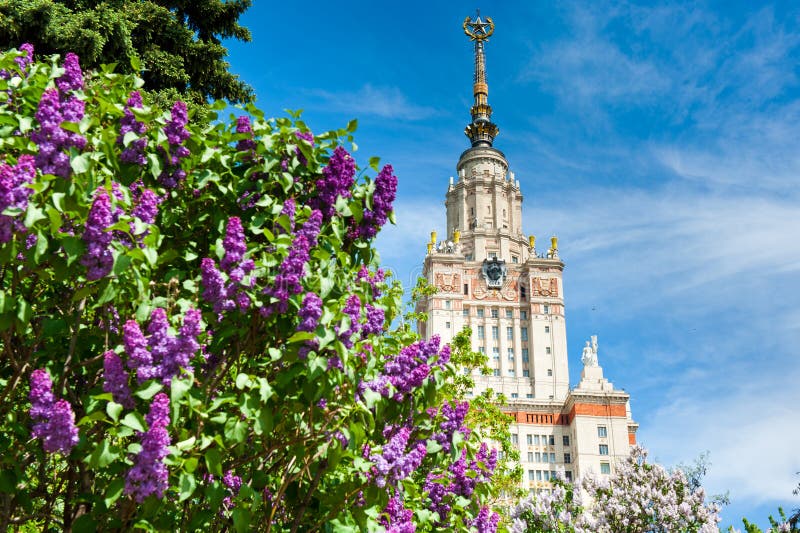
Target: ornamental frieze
448, 282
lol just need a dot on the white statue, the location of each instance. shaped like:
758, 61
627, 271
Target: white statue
589, 357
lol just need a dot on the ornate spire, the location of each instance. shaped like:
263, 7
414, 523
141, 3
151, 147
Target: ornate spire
481, 131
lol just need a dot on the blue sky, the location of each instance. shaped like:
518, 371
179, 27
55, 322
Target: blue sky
659, 141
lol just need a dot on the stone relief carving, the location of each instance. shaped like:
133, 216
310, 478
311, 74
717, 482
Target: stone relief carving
448, 282
547, 287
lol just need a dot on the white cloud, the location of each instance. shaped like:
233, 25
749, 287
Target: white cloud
385, 102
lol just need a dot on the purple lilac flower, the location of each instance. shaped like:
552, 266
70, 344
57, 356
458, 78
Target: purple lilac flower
149, 475
51, 138
14, 193
409, 369
243, 126
139, 358
437, 488
309, 138
335, 363
396, 518
54, 421
233, 244
176, 133
145, 203
394, 464
98, 259
486, 521
373, 279
382, 200
453, 421
134, 152
289, 209
311, 227
72, 80
375, 319
337, 179
115, 379
25, 60
310, 312
182, 348
214, 289
290, 273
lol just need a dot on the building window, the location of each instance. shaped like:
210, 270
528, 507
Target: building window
553, 457
495, 332
529, 439
492, 255
605, 468
447, 325
480, 313
523, 315
482, 349
549, 371
531, 475
547, 329
447, 304
465, 312
601, 432
538, 475
511, 372
565, 440
496, 371
466, 289
523, 333
527, 395
514, 259
509, 313
511, 355
604, 449
538, 457
481, 332
547, 350
530, 457
553, 475
524, 355
552, 440
547, 475
514, 395
567, 458
510, 334
523, 294
546, 309
495, 353
514, 438
494, 313
568, 475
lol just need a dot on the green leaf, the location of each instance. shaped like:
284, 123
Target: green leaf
152, 388
186, 444
186, 485
241, 520
84, 524
8, 481
33, 215
80, 163
352, 125
114, 410
214, 461
433, 446
102, 455
114, 491
235, 430
374, 163
242, 381
134, 421
24, 311
41, 247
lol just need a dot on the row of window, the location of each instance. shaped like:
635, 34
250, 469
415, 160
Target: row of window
543, 440
547, 475
523, 334
544, 457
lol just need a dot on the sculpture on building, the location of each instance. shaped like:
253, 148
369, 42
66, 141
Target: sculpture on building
589, 357
494, 272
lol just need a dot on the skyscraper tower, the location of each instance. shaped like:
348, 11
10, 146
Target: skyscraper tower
491, 278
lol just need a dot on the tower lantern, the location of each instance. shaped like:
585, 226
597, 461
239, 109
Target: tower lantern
481, 131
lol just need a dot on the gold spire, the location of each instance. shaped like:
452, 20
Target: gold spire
481, 131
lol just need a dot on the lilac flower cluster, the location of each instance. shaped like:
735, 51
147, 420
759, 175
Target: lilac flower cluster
486, 521
394, 463
22, 61
98, 259
337, 179
374, 280
289, 209
234, 484
310, 312
453, 421
134, 152
176, 133
309, 138
14, 193
57, 106
461, 480
149, 474
161, 355
352, 310
115, 379
375, 319
227, 296
53, 421
396, 518
409, 369
243, 126
382, 200
293, 268
145, 202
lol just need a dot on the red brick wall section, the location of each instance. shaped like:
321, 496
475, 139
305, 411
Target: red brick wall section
631, 438
587, 409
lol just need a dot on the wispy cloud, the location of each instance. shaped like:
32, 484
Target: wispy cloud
385, 102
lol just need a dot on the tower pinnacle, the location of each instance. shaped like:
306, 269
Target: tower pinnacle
481, 131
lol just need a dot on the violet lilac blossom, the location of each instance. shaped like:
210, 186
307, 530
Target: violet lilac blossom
149, 475
338, 177
382, 199
176, 133
53, 420
115, 379
98, 259
134, 151
14, 193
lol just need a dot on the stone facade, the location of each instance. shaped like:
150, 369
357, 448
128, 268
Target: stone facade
491, 278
